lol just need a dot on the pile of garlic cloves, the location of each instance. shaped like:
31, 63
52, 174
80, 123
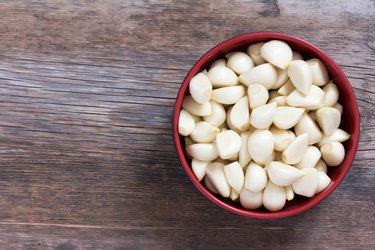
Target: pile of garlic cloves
263, 126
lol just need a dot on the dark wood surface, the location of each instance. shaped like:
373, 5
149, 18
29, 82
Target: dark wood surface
87, 90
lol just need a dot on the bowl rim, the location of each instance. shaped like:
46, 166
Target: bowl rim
254, 213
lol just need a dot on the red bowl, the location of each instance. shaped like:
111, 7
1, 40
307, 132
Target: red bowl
349, 122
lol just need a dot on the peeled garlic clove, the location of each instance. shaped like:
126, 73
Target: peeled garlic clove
254, 52
203, 151
310, 158
204, 132
281, 138
243, 156
258, 95
328, 119
300, 74
313, 100
240, 62
234, 174
264, 74
296, 150
323, 181
339, 135
274, 197
200, 88
280, 100
229, 123
209, 185
321, 166
196, 108
186, 123
319, 72
234, 195
218, 62
251, 200
240, 114
282, 174
270, 159
277, 53
339, 107
260, 145
228, 95
307, 125
233, 158
255, 178
296, 56
199, 168
333, 153
308, 184
287, 117
286, 89
215, 172
332, 94
196, 118
217, 116
221, 76
289, 192
291, 135
263, 116
282, 78
228, 144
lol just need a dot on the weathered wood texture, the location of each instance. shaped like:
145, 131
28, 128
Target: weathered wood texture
87, 91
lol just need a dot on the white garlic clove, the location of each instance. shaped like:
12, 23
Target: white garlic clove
280, 100
300, 74
328, 119
321, 166
228, 95
331, 94
323, 181
209, 185
282, 78
270, 159
296, 56
286, 89
229, 123
221, 76
307, 125
217, 116
291, 135
234, 195
319, 72
218, 62
204, 132
216, 175
313, 100
283, 174
287, 117
196, 118
233, 158
260, 145
186, 123
277, 53
199, 168
251, 200
240, 62
240, 114
281, 138
264, 74
228, 144
196, 108
255, 178
339, 135
263, 116
203, 151
308, 184
243, 156
274, 197
289, 192
258, 95
200, 88
339, 107
235, 177
310, 159
333, 153
254, 52
296, 150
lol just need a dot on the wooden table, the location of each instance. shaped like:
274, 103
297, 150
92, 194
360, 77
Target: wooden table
87, 90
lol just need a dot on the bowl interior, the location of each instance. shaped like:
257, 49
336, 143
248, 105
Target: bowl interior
349, 120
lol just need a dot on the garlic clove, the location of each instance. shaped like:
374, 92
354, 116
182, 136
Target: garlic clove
218, 62
289, 192
328, 119
313, 100
255, 178
228, 95
277, 53
287, 117
195, 108
251, 200
217, 116
263, 116
229, 123
319, 72
186, 123
243, 156
240, 114
200, 88
321, 166
260, 145
282, 174
281, 138
286, 89
333, 153
274, 197
310, 159
234, 174
332, 94
296, 56
307, 125
308, 184
258, 95
300, 74
199, 168
282, 78
339, 135
240, 62
221, 76
264, 74
323, 181
204, 132
291, 135
280, 100
203, 151
339, 107
254, 52
196, 118
209, 185
216, 175
296, 150
234, 195
270, 159
228, 144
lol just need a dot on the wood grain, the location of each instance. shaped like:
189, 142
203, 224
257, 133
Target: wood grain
87, 90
